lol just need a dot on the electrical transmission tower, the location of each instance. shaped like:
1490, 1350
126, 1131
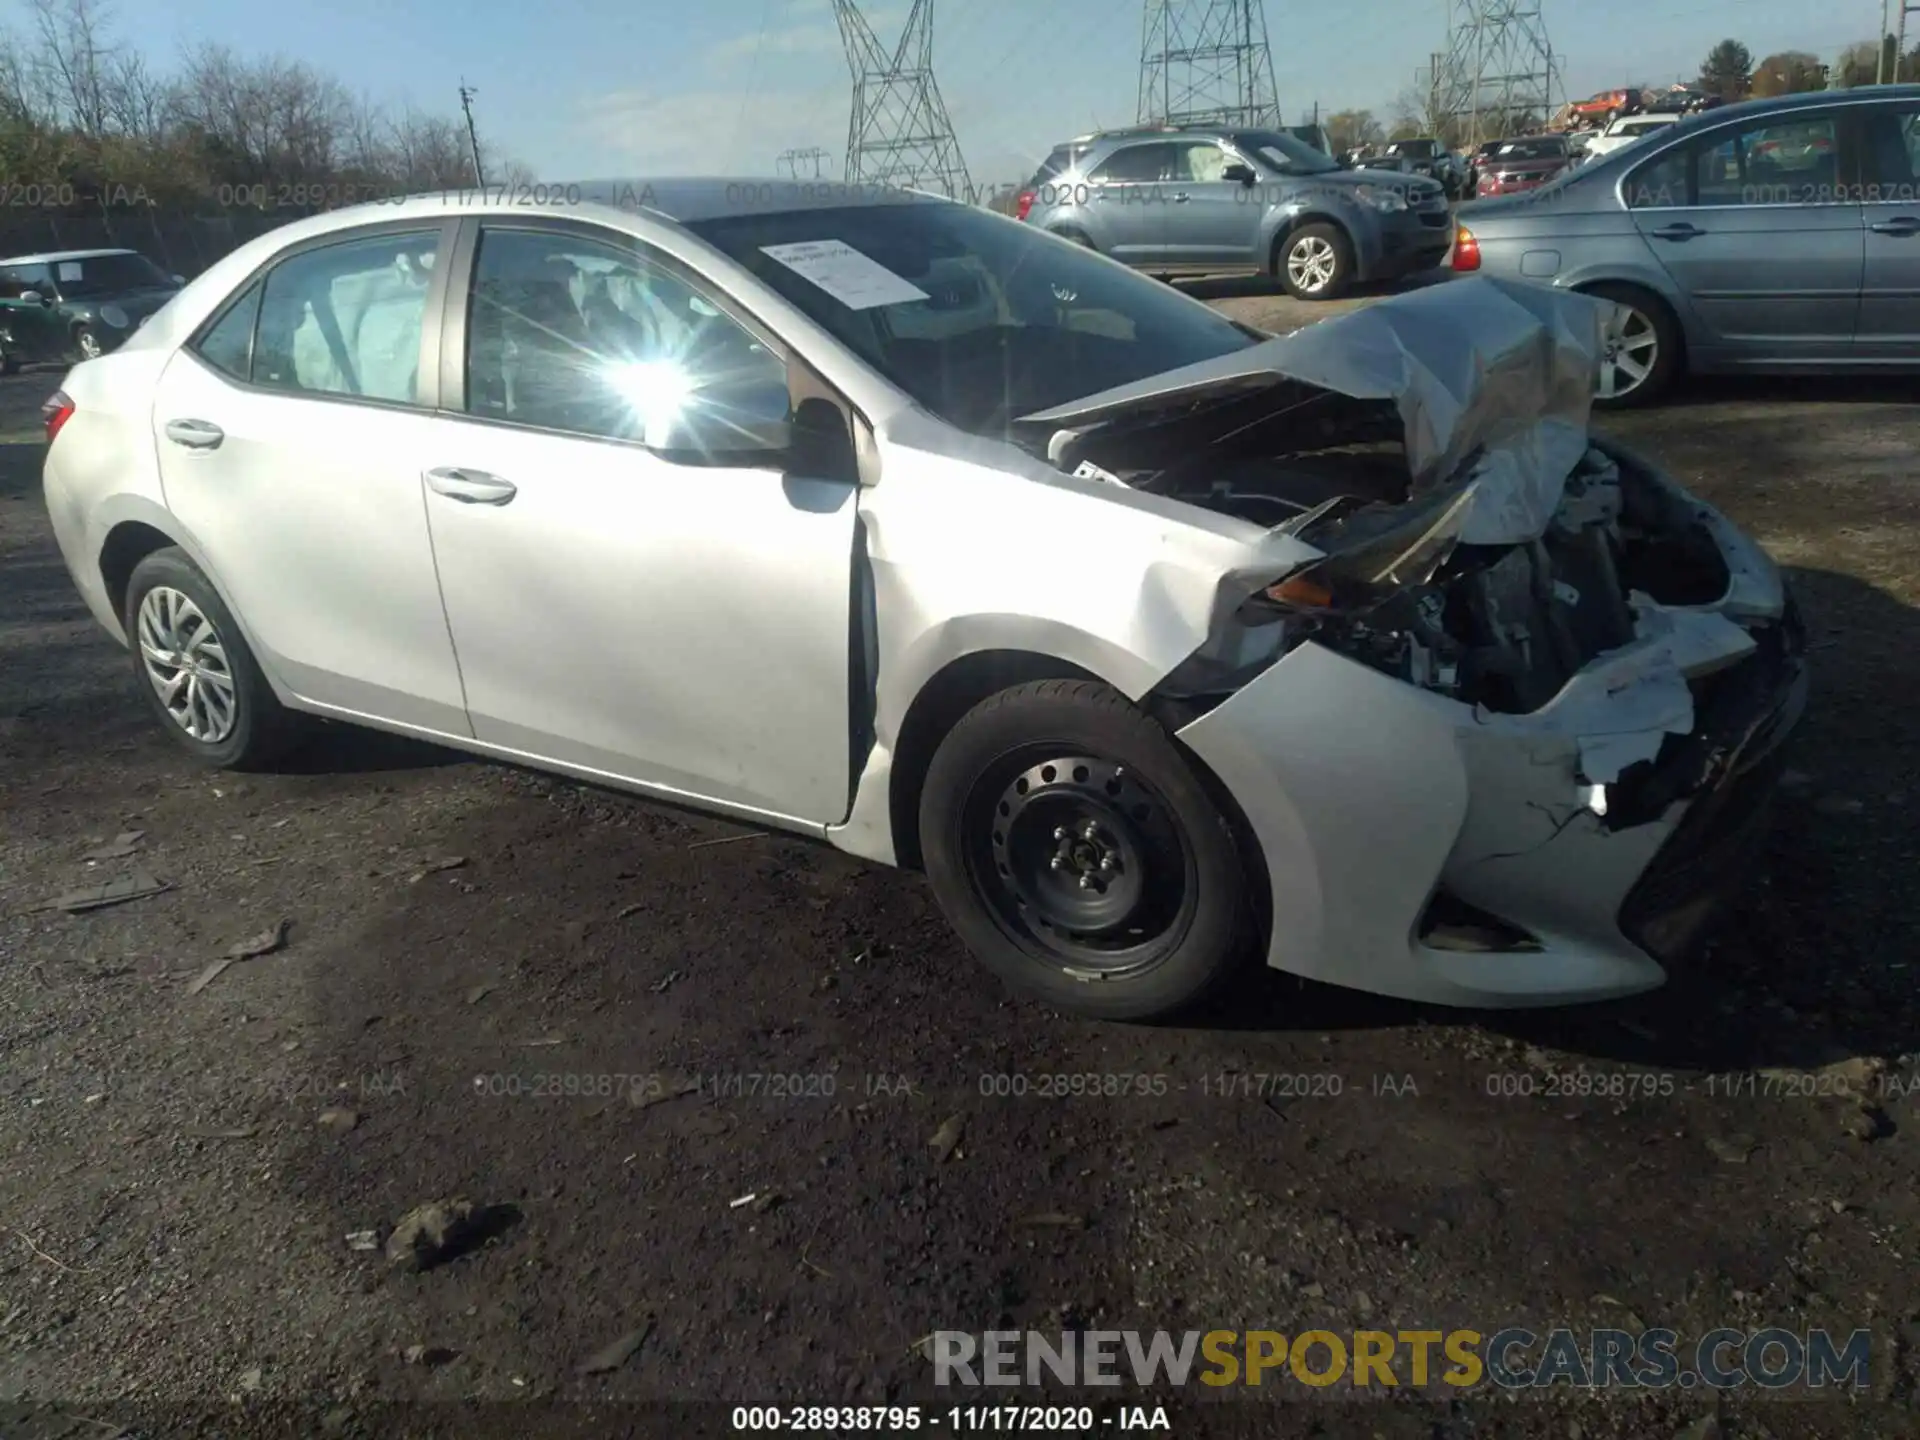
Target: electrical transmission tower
899, 133
790, 161
1499, 71
1207, 62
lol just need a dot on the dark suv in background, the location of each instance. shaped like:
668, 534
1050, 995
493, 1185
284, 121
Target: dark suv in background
1208, 200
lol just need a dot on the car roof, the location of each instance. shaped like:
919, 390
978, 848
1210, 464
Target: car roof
47, 257
1803, 100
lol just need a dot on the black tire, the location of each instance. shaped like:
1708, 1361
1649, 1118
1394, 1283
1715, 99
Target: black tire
261, 729
9, 364
1077, 237
1667, 357
992, 814
1318, 233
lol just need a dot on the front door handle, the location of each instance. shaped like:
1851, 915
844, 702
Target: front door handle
1898, 225
1680, 231
1181, 197
195, 434
470, 487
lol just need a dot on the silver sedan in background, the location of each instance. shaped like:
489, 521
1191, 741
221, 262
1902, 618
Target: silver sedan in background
1777, 236
1157, 643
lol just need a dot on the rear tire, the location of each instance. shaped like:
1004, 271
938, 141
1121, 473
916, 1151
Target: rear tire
1079, 855
1315, 262
1649, 326
196, 670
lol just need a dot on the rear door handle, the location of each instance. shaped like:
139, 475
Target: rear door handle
1680, 231
195, 434
470, 487
1899, 225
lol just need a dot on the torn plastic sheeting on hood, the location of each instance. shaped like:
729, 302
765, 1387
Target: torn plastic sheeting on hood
1493, 382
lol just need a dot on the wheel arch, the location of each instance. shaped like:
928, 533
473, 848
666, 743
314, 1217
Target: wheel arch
126, 545
948, 694
1591, 284
135, 528
1299, 220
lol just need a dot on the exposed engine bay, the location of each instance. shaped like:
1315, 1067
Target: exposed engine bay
1476, 540
1503, 626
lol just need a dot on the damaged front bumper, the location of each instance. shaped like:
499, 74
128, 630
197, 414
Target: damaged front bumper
1420, 846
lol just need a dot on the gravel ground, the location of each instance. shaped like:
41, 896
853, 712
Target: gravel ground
184, 1154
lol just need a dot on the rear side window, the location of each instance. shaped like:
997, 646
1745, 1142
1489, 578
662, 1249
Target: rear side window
228, 343
1135, 163
346, 319
1054, 166
1663, 183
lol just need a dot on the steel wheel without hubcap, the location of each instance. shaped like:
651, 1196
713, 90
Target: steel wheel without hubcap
1080, 863
186, 663
1632, 350
1311, 263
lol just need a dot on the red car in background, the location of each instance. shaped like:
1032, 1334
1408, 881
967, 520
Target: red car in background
1523, 164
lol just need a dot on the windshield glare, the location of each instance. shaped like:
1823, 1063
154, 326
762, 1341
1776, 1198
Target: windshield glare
107, 275
1285, 153
1010, 320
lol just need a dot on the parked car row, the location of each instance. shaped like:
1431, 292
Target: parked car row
1778, 235
1185, 199
75, 304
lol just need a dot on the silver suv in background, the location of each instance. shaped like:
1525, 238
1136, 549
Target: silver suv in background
1192, 200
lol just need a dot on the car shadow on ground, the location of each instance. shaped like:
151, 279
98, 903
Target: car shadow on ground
1810, 962
1703, 390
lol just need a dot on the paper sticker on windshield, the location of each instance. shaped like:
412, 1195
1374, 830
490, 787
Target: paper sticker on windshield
69, 271
857, 281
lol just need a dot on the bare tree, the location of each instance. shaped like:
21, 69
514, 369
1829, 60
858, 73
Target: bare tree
22, 96
76, 59
138, 101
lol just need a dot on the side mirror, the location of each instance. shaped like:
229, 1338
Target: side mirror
178, 279
1238, 173
32, 297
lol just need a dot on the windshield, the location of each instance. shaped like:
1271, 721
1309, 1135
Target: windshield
1418, 149
107, 275
1283, 152
979, 318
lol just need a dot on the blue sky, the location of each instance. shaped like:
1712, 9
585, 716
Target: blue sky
579, 88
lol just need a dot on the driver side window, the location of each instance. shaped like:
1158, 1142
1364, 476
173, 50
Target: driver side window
592, 338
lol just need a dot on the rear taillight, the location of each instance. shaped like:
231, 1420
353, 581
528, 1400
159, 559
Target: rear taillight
1466, 250
56, 412
1023, 205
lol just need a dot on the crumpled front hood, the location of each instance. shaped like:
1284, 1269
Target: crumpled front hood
1492, 382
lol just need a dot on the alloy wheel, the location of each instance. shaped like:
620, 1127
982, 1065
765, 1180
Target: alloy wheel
89, 344
187, 665
1632, 349
1080, 861
1311, 263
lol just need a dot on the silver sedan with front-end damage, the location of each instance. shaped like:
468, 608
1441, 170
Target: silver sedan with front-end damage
1155, 642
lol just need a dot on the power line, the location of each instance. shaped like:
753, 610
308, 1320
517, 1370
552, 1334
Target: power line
473, 136
1498, 71
899, 132
1206, 62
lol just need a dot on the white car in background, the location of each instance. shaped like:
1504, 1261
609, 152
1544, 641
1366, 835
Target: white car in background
1624, 131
